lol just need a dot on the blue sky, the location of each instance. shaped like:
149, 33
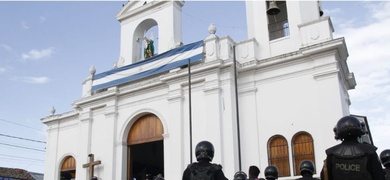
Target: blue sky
47, 48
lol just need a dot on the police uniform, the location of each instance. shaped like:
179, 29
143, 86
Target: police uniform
203, 169
387, 173
206, 168
352, 160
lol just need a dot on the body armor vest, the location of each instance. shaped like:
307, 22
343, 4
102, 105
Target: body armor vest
387, 173
349, 162
203, 172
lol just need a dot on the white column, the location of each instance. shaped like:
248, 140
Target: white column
174, 155
111, 119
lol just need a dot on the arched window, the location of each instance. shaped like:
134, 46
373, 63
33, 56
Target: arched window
278, 154
303, 149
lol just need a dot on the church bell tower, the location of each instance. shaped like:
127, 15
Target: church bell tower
137, 17
283, 26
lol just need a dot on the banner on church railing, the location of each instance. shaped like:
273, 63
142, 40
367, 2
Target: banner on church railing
157, 64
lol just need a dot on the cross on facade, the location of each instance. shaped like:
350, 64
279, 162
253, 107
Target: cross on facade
91, 165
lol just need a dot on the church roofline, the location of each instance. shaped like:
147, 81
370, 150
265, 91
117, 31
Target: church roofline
126, 11
59, 116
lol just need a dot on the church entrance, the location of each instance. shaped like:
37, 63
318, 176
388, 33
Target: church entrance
145, 148
68, 168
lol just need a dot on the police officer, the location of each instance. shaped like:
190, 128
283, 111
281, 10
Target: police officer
203, 169
307, 170
351, 160
271, 173
240, 175
385, 159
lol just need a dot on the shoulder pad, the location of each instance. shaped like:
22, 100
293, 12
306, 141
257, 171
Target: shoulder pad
190, 166
215, 167
349, 151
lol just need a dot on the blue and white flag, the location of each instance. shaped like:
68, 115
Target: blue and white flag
157, 64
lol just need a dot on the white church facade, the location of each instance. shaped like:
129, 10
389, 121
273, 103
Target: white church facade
270, 100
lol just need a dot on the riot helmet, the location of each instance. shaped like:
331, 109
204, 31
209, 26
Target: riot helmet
349, 126
385, 157
271, 172
306, 167
204, 150
335, 133
240, 175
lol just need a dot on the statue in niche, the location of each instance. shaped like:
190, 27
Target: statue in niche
149, 47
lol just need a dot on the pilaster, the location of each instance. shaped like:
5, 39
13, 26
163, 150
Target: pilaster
111, 112
174, 137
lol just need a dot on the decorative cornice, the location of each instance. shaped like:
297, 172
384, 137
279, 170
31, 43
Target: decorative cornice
97, 96
326, 74
247, 90
59, 116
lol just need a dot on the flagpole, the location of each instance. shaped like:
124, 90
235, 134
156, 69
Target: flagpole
190, 108
237, 109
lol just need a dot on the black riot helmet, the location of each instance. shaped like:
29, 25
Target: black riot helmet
306, 167
204, 150
349, 126
271, 172
240, 175
385, 157
335, 133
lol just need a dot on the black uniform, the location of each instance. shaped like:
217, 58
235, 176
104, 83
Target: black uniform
307, 177
387, 173
352, 160
204, 170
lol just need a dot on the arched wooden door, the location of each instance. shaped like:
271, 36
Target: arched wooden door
68, 168
145, 148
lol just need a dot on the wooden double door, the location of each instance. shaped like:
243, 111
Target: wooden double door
145, 150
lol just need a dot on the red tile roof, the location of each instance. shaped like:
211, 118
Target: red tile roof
15, 173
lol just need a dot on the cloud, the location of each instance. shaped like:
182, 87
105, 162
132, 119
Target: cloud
368, 42
24, 25
2, 70
32, 80
42, 19
6, 47
332, 12
38, 54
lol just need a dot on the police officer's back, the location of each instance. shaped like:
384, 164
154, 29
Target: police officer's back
307, 170
385, 159
351, 160
203, 169
271, 172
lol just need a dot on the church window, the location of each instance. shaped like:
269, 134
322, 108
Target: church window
278, 154
303, 149
278, 25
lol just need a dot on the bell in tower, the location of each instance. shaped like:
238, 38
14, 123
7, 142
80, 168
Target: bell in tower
273, 9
